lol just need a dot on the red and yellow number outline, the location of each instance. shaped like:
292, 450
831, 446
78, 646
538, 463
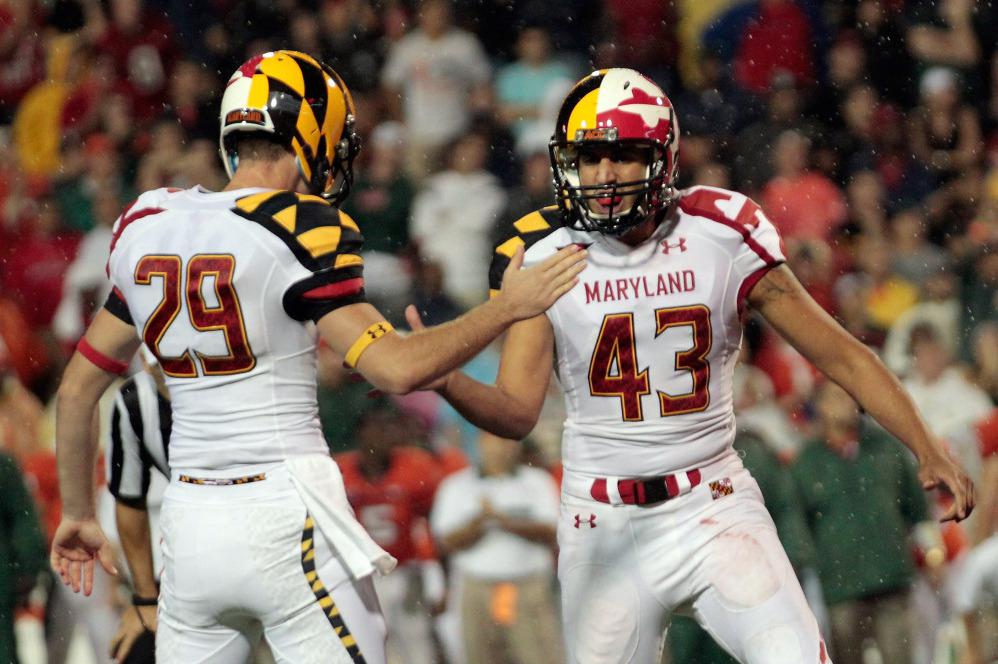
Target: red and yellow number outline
615, 351
181, 279
144, 278
194, 289
691, 359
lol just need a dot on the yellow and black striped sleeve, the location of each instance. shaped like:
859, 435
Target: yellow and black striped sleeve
324, 239
524, 232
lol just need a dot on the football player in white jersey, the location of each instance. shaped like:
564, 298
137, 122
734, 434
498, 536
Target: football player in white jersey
224, 288
658, 513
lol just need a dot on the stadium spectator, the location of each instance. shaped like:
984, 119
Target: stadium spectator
913, 257
352, 39
85, 286
91, 170
522, 86
381, 201
22, 551
497, 524
885, 296
436, 75
779, 38
949, 402
35, 272
945, 133
938, 308
452, 233
390, 485
862, 499
141, 43
752, 162
22, 55
801, 202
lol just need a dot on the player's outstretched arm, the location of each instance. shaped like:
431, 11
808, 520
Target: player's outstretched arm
509, 408
781, 299
400, 364
79, 540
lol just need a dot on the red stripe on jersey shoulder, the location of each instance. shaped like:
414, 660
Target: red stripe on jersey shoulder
333, 291
127, 219
702, 203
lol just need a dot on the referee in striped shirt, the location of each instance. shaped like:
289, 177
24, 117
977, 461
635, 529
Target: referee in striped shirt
139, 449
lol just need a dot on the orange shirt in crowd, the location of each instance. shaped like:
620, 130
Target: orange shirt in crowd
392, 506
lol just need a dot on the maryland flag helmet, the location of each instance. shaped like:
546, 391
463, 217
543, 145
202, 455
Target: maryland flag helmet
303, 105
617, 107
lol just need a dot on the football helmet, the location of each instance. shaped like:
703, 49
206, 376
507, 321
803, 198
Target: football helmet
305, 106
622, 108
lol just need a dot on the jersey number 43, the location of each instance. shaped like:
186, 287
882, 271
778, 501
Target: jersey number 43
613, 369
223, 314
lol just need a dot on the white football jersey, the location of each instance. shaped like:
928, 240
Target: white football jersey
647, 342
221, 288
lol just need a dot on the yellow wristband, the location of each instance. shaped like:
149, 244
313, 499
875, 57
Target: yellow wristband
369, 336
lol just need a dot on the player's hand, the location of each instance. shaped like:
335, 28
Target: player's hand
530, 292
75, 547
938, 470
415, 322
135, 621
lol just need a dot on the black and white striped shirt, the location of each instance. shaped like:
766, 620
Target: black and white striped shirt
140, 439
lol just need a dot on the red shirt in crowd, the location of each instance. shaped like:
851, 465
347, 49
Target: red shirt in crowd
143, 60
777, 39
34, 273
390, 507
807, 206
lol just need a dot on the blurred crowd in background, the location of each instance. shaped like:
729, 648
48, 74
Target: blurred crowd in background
866, 129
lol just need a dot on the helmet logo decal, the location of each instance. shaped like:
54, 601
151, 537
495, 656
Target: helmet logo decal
246, 115
597, 134
651, 109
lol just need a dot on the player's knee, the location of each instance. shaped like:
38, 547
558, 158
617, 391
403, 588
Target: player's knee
779, 644
741, 571
601, 617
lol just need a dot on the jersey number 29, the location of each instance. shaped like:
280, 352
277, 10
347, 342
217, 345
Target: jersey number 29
616, 349
225, 316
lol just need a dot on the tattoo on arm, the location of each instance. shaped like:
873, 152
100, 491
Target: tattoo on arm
777, 283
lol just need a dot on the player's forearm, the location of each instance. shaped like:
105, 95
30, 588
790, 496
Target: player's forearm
76, 446
861, 373
488, 407
133, 528
424, 356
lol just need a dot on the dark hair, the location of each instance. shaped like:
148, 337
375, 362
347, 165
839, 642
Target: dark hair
259, 146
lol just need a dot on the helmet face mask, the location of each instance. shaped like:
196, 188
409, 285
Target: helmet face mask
617, 218
621, 115
301, 104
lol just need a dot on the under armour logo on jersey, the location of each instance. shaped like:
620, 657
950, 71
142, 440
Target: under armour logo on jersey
667, 246
591, 520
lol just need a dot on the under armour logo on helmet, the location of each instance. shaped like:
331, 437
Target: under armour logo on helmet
591, 520
681, 245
